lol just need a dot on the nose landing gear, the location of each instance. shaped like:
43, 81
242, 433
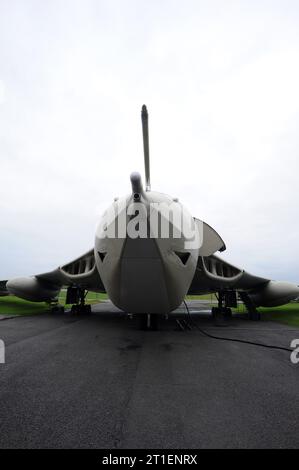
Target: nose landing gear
148, 321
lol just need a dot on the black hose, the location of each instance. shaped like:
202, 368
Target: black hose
236, 340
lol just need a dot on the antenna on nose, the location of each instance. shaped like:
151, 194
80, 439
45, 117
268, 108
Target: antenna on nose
144, 119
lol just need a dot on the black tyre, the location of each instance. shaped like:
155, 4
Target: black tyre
154, 322
75, 309
254, 315
142, 319
216, 311
227, 312
87, 309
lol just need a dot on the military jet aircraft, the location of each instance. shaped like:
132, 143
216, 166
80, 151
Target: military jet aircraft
149, 253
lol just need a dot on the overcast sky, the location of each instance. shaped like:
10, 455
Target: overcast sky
220, 79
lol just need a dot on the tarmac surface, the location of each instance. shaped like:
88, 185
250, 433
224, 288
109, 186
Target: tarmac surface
99, 382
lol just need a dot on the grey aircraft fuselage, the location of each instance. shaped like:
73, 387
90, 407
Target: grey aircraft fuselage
146, 270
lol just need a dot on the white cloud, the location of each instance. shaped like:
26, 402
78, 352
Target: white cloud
2, 92
220, 80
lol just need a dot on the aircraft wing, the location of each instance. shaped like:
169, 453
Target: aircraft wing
213, 274
80, 272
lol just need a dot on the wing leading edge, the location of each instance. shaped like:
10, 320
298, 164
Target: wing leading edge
213, 274
80, 272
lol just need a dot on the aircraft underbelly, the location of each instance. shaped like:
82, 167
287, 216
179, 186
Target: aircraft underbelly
142, 279
142, 284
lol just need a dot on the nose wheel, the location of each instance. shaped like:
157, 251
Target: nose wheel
148, 321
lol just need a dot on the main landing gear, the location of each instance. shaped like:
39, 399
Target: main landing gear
148, 321
76, 296
253, 313
226, 300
